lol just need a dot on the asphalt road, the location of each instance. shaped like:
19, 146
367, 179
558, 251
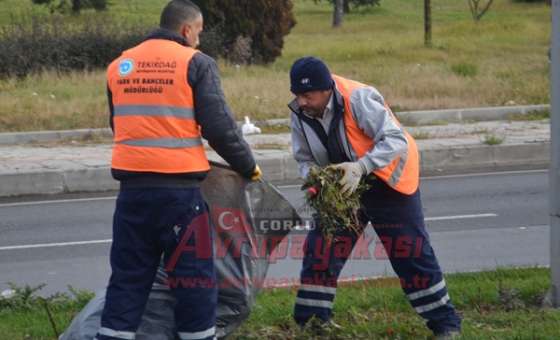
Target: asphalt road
476, 222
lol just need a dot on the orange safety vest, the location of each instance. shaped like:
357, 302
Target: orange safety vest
154, 123
402, 174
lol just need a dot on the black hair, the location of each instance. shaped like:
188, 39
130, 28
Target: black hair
177, 13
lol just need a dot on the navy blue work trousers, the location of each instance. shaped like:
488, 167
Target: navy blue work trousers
149, 223
399, 224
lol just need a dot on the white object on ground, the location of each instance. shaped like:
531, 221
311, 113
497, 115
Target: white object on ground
249, 128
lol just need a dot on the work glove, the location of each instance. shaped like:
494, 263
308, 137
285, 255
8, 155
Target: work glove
353, 172
257, 174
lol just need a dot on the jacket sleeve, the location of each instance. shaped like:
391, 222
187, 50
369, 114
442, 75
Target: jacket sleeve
215, 118
377, 123
111, 109
300, 148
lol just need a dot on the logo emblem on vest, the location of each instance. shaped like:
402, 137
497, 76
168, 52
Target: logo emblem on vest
126, 67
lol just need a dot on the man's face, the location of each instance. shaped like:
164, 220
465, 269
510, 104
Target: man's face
192, 30
314, 102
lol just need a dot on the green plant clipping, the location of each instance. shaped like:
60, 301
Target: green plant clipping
491, 139
337, 211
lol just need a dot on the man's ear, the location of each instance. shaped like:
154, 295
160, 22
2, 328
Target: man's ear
185, 29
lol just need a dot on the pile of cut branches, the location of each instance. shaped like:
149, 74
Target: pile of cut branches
337, 211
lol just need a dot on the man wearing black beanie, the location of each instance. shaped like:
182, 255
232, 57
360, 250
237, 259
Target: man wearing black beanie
347, 125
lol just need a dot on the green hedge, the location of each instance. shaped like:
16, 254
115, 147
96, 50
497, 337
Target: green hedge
241, 31
50, 43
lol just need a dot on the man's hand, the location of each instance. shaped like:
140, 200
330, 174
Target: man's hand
257, 174
353, 172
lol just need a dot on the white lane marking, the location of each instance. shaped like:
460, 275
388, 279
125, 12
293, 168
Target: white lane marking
481, 174
52, 245
21, 204
459, 217
67, 244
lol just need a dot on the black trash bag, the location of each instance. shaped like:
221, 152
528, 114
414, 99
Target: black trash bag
241, 213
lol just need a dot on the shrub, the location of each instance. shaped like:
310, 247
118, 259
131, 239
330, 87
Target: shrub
464, 69
50, 43
63, 6
491, 139
212, 41
258, 25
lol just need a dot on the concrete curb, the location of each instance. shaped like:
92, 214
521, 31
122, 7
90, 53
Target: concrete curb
279, 167
413, 118
468, 115
430, 117
11, 138
485, 158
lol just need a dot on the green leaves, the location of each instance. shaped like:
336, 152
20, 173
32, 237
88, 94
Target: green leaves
336, 210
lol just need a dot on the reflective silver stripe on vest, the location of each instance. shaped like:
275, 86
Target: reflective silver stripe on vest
428, 291
153, 110
197, 335
432, 306
117, 334
397, 173
318, 289
171, 143
159, 286
314, 303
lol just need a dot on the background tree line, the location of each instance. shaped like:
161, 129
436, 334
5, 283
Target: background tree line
240, 31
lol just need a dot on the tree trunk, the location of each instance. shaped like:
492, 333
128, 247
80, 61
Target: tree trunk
346, 6
338, 13
488, 4
76, 6
427, 23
